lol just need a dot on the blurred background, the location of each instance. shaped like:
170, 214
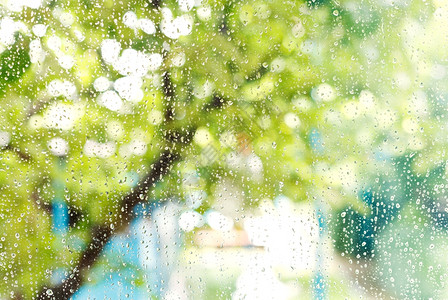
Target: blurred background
246, 149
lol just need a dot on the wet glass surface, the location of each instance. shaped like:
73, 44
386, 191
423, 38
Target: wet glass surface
190, 149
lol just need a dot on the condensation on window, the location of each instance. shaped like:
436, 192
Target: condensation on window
242, 149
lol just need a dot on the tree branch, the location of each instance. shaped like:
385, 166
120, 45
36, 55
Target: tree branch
22, 155
102, 234
168, 91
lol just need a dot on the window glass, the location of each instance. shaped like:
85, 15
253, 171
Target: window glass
243, 149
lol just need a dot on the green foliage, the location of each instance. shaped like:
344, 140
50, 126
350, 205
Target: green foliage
299, 98
14, 62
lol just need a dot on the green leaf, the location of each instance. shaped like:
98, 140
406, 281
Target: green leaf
14, 62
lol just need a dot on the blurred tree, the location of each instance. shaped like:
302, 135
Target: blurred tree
144, 100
